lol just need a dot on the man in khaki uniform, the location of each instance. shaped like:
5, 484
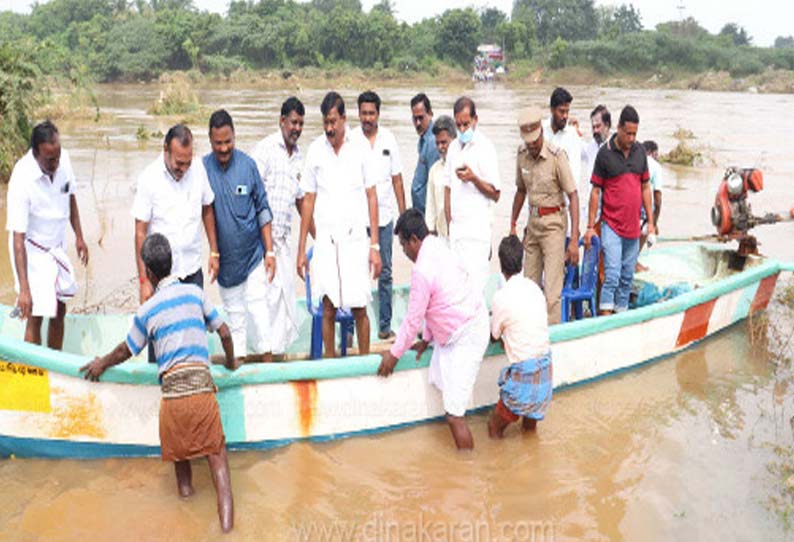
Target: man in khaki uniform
543, 174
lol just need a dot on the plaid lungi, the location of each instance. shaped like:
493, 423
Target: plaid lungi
525, 387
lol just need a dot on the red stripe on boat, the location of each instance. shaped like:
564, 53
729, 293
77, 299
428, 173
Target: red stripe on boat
764, 293
696, 323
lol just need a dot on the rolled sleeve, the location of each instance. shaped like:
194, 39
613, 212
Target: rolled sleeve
490, 167
137, 336
142, 203
211, 316
263, 213
207, 195
308, 181
396, 163
17, 206
418, 300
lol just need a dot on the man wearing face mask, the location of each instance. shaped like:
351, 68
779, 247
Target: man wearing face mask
279, 159
543, 175
243, 219
342, 202
40, 203
472, 185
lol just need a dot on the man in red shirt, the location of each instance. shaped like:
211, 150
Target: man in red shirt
621, 174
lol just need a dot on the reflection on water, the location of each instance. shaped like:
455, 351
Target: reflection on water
674, 451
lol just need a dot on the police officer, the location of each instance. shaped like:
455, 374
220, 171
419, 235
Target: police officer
543, 175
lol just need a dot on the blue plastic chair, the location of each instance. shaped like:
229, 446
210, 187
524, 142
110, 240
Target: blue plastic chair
588, 278
343, 317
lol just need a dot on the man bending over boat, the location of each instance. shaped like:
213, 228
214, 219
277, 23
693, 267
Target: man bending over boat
175, 318
455, 320
519, 319
40, 203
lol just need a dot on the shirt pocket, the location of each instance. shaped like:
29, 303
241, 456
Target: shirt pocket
242, 204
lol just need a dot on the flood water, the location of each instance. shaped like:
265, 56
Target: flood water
683, 449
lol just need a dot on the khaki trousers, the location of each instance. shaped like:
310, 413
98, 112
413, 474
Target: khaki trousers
544, 245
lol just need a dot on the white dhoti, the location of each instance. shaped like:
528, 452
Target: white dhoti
281, 309
50, 276
474, 255
454, 366
246, 307
340, 267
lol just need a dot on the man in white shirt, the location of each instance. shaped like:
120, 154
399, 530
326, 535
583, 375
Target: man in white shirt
174, 198
657, 183
40, 203
601, 122
472, 185
279, 159
563, 135
383, 168
342, 203
435, 214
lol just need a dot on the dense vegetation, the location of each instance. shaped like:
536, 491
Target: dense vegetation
139, 40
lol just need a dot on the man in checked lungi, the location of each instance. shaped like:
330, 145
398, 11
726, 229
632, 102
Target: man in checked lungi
175, 319
520, 320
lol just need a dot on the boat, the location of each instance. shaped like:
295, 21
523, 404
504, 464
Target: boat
48, 410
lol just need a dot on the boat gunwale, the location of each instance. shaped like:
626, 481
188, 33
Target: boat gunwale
68, 364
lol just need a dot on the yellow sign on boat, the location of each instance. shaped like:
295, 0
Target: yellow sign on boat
23, 387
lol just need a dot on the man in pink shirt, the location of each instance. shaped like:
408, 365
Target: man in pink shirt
455, 320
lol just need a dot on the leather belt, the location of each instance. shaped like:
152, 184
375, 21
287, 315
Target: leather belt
543, 211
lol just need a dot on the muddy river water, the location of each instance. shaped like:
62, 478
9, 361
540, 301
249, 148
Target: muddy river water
683, 449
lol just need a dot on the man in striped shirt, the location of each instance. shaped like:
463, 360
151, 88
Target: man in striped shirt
175, 320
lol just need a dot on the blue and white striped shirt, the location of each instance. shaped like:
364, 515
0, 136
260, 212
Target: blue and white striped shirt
176, 319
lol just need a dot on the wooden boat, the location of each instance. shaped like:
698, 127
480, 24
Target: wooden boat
47, 410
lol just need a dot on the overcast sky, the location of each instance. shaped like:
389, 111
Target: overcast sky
763, 19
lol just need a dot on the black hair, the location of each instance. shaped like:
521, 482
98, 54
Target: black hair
629, 114
444, 123
292, 104
219, 119
156, 255
181, 133
369, 97
423, 99
511, 255
332, 100
560, 96
464, 102
411, 222
43, 132
650, 146
606, 116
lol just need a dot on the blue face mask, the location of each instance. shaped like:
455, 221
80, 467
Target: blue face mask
466, 137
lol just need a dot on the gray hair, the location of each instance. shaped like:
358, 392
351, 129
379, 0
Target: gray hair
444, 123
156, 255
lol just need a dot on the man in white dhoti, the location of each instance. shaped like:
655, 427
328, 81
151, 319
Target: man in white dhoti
278, 158
342, 203
40, 203
455, 320
472, 186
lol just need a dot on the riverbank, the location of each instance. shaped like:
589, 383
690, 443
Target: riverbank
521, 73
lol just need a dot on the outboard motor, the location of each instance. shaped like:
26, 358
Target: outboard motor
731, 214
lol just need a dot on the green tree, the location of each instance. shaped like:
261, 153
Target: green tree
136, 50
21, 92
459, 32
736, 34
491, 18
688, 28
571, 20
784, 42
